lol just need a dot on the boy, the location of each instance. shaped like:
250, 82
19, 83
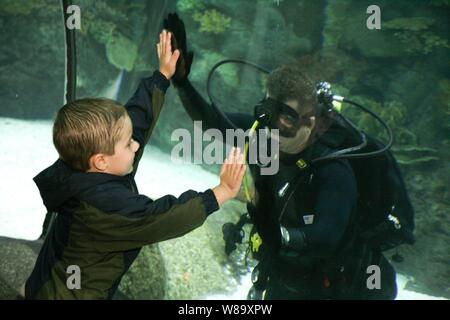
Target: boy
102, 221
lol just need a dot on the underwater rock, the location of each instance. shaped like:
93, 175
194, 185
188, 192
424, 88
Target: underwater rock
334, 25
146, 279
196, 264
427, 261
370, 44
16, 263
345, 28
32, 77
32, 62
121, 52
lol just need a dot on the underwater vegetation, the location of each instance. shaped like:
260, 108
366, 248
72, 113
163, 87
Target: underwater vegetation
104, 24
414, 33
24, 7
395, 114
210, 20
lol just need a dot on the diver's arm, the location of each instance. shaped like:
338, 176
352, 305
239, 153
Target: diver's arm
334, 204
198, 109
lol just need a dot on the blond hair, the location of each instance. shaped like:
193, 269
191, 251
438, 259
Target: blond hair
86, 127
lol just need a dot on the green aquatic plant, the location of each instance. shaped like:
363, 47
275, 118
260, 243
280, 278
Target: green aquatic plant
19, 7
439, 3
416, 35
444, 99
101, 30
414, 155
395, 114
212, 21
26, 7
411, 24
190, 5
103, 23
121, 52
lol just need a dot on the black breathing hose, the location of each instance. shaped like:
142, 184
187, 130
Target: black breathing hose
208, 84
345, 153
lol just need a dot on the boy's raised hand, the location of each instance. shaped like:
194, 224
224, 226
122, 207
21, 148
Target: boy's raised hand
167, 58
231, 175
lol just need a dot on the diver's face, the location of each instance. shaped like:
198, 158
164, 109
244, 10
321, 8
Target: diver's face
295, 125
288, 121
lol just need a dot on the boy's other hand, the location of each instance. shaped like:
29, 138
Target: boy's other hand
167, 58
231, 175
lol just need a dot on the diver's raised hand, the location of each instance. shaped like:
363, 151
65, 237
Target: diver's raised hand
231, 175
176, 26
167, 58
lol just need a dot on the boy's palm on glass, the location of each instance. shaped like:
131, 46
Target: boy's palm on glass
167, 58
232, 172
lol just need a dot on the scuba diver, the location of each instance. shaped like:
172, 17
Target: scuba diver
308, 235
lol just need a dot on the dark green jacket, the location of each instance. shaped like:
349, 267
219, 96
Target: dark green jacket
102, 221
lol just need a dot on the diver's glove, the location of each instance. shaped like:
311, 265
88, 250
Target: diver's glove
232, 234
176, 26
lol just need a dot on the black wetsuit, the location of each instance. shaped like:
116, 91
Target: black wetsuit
318, 207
